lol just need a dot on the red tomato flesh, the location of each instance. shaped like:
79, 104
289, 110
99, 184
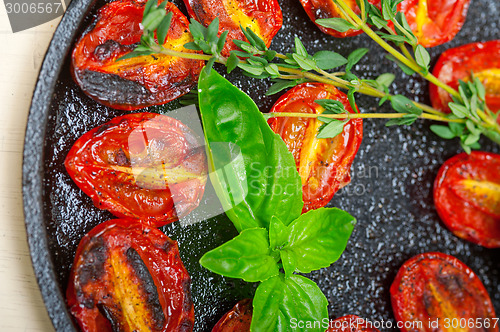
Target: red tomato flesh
137, 82
128, 276
434, 22
467, 197
435, 287
145, 165
317, 9
238, 319
262, 16
350, 323
323, 164
483, 59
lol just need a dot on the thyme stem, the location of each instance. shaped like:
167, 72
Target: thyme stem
361, 116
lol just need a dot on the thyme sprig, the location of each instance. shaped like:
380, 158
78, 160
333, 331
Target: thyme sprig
470, 117
468, 101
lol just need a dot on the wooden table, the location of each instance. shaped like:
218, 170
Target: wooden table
21, 306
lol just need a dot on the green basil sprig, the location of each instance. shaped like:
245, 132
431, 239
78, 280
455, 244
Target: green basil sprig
257, 181
274, 186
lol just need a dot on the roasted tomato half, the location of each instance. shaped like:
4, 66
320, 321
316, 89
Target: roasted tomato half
262, 16
317, 9
323, 164
350, 323
467, 197
128, 276
145, 165
434, 22
237, 319
136, 82
482, 59
441, 293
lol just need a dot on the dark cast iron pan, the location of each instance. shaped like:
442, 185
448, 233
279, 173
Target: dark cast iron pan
390, 193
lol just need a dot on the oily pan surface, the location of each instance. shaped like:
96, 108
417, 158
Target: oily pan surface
390, 193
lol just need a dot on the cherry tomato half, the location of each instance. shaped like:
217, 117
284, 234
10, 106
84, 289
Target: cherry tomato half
441, 293
323, 164
136, 82
317, 9
238, 319
458, 63
350, 323
434, 22
145, 165
128, 276
262, 16
467, 197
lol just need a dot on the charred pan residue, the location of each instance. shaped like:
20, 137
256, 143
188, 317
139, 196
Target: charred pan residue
148, 286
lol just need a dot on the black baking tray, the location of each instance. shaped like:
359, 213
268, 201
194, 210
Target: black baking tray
390, 193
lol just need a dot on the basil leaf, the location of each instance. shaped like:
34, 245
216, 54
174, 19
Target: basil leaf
265, 166
247, 257
328, 60
289, 262
318, 238
267, 316
280, 302
278, 233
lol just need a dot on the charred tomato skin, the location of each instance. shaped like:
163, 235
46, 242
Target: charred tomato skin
437, 286
435, 22
464, 195
126, 272
137, 82
237, 319
457, 64
318, 9
350, 323
323, 164
145, 166
264, 17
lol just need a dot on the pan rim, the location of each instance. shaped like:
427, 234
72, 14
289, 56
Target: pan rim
33, 165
